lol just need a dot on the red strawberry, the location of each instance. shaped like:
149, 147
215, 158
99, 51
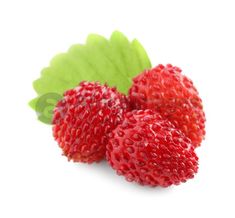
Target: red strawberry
84, 118
149, 150
172, 94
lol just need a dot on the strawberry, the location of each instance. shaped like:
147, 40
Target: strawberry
165, 90
148, 149
83, 119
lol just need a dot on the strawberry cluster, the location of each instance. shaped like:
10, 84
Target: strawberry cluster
149, 136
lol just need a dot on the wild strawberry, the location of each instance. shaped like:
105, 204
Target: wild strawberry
174, 96
149, 150
84, 118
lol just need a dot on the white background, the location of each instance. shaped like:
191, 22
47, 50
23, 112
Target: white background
36, 181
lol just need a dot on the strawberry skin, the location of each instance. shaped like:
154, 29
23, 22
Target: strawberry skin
83, 119
165, 90
149, 150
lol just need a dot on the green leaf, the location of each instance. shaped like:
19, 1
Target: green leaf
114, 61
